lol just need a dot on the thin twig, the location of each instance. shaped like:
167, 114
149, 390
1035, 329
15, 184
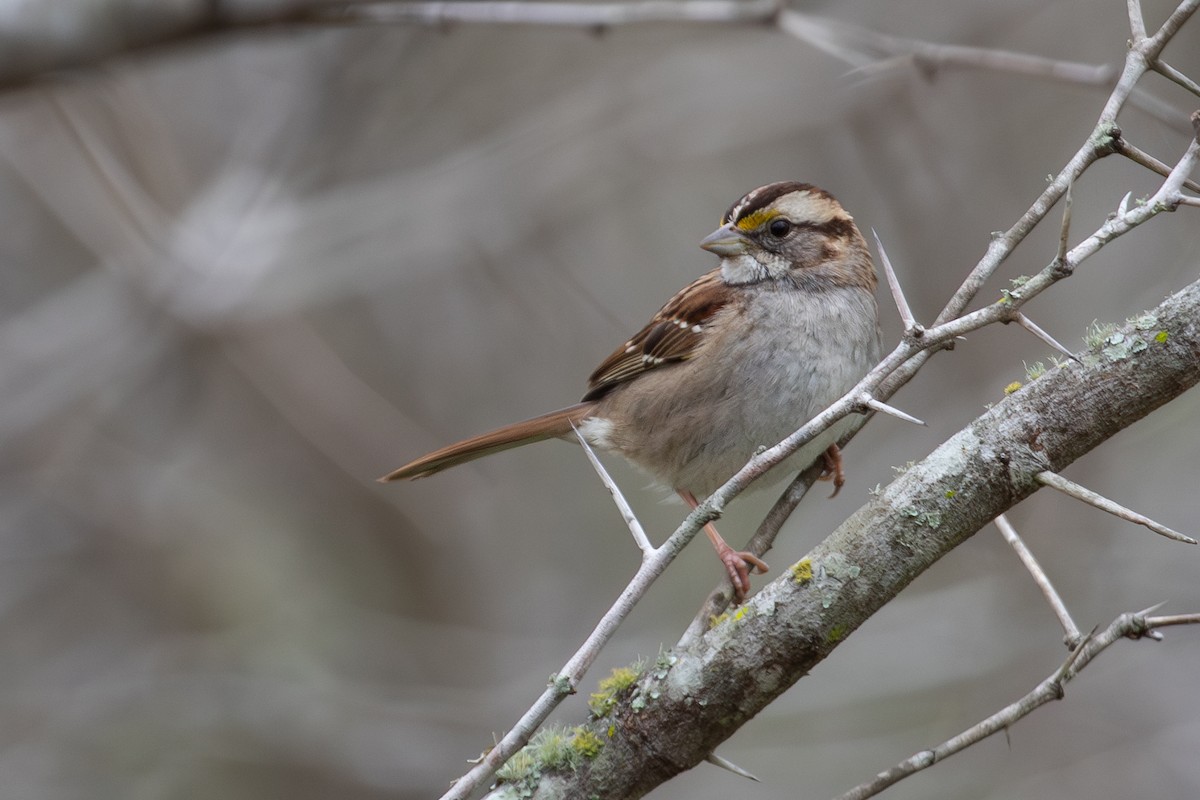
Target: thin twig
1137, 23
869, 51
631, 520
584, 15
1072, 636
1064, 231
1138, 156
911, 328
1153, 46
566, 680
1052, 688
1072, 489
1169, 72
1174, 619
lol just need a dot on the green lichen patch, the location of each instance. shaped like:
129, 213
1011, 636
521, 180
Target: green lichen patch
1097, 333
1014, 293
1120, 346
522, 771
836, 634
587, 743
561, 684
551, 749
931, 519
662, 665
831, 574
1144, 322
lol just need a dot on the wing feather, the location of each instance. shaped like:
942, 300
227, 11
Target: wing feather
674, 334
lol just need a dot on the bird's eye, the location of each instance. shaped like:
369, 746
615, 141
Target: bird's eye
779, 228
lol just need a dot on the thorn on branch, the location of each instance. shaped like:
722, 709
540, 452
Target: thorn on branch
631, 520
1123, 206
723, 763
911, 328
1072, 489
875, 405
1029, 325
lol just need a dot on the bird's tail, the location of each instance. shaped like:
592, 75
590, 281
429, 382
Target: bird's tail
547, 426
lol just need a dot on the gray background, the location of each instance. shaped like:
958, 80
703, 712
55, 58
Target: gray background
242, 276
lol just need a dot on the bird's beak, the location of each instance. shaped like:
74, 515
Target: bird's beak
725, 241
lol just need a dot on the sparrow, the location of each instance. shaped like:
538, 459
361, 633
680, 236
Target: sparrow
736, 361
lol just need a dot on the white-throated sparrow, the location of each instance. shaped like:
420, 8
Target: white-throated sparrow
735, 361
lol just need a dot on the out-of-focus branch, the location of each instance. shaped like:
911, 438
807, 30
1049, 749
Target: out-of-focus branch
58, 34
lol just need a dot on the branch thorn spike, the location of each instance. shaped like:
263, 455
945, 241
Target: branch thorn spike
884, 408
906, 315
724, 763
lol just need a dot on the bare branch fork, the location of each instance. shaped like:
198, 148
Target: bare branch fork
1126, 626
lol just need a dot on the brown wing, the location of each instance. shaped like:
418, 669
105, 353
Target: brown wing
672, 335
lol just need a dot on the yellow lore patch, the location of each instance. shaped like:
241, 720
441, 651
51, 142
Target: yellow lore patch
754, 221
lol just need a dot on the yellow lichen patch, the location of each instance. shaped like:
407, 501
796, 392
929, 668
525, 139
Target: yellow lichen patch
611, 688
586, 743
802, 571
754, 221
736, 615
1012, 387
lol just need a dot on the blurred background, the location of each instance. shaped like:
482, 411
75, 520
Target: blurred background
244, 274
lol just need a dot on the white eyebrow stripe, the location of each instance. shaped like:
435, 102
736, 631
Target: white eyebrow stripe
807, 207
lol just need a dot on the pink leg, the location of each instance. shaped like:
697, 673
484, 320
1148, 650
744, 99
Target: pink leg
833, 468
738, 564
